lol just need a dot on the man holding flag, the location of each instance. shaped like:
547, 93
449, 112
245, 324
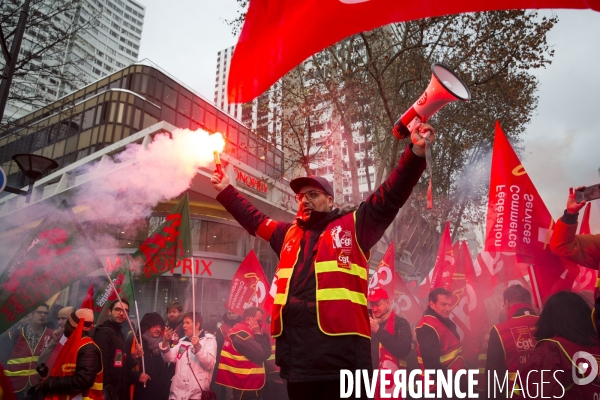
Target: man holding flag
321, 281
118, 364
84, 378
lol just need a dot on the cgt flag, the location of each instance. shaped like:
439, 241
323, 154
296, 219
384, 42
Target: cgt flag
405, 301
121, 278
384, 276
468, 308
441, 274
168, 244
249, 287
519, 222
55, 255
278, 35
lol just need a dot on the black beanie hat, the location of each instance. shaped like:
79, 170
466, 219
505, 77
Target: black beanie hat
151, 319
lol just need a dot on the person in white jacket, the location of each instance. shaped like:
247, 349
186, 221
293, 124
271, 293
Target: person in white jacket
194, 357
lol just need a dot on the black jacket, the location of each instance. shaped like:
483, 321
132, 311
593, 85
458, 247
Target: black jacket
398, 344
111, 341
160, 381
303, 352
89, 364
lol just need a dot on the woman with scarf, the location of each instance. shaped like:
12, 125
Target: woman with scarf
157, 383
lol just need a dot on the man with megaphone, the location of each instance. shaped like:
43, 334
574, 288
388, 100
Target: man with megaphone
320, 318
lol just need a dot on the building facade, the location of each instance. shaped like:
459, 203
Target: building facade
132, 106
106, 38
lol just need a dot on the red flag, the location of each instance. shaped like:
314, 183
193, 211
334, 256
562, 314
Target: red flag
502, 268
384, 274
279, 35
441, 274
584, 227
88, 301
518, 221
468, 310
249, 287
405, 301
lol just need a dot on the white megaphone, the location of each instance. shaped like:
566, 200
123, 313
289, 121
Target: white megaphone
444, 88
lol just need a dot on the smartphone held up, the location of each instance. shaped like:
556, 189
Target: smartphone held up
588, 193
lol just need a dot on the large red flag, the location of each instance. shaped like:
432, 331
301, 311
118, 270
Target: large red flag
249, 287
278, 35
503, 269
468, 309
405, 301
384, 274
518, 221
441, 274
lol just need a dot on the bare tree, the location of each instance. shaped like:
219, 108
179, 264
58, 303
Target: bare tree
47, 68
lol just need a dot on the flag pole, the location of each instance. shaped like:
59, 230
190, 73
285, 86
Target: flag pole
193, 299
137, 313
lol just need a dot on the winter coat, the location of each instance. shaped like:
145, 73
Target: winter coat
303, 352
191, 368
117, 373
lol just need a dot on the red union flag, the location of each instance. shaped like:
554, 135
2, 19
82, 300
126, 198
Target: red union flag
278, 35
519, 222
384, 274
441, 274
405, 301
468, 309
249, 287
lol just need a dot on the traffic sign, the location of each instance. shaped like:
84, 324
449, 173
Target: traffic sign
2, 180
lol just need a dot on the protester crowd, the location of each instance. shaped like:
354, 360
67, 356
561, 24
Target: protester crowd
323, 320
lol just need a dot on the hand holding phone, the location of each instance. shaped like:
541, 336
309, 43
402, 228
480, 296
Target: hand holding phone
587, 193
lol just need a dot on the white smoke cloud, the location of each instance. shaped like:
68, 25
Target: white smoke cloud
159, 173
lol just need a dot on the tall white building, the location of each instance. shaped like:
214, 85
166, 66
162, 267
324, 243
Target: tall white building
262, 114
112, 44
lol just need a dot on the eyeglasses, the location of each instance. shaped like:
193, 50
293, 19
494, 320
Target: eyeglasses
120, 310
41, 312
310, 195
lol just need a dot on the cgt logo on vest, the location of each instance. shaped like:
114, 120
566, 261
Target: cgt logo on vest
581, 368
522, 338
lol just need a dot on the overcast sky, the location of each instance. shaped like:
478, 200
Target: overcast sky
562, 142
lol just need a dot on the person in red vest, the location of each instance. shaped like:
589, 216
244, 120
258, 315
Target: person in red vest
582, 249
320, 318
59, 339
24, 347
229, 320
511, 342
438, 341
78, 370
391, 338
565, 332
242, 363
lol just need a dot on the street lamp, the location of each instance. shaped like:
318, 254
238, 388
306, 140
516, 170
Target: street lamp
33, 167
